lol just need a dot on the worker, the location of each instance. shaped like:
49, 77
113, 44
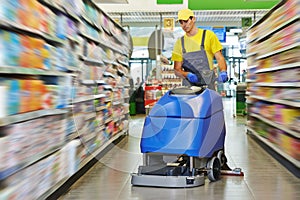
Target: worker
193, 53
193, 56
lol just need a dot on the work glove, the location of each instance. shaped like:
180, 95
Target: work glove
192, 78
223, 77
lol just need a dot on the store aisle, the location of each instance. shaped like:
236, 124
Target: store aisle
264, 177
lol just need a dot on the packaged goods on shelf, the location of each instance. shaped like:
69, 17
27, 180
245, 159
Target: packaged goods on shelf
152, 94
283, 140
47, 133
273, 82
54, 55
287, 75
36, 179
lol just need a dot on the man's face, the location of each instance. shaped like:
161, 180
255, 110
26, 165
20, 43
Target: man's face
188, 24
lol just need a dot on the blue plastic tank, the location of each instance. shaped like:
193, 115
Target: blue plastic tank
185, 122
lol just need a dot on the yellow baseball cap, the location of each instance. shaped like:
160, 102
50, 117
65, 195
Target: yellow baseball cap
184, 14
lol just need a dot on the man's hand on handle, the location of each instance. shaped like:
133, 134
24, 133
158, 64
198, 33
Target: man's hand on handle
223, 77
192, 78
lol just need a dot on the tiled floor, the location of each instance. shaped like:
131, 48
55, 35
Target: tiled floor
264, 177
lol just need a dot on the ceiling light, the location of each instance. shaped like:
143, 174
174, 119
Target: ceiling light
236, 30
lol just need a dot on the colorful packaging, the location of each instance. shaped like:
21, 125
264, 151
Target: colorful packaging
24, 95
13, 96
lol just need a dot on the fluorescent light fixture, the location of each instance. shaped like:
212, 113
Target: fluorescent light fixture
236, 30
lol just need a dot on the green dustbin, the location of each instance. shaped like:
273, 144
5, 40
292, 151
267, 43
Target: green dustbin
241, 99
132, 108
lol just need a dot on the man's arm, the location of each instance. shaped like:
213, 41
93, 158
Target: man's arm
221, 61
178, 69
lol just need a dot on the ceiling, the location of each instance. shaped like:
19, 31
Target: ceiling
204, 18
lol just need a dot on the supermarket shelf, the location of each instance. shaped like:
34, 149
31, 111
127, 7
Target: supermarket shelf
101, 108
111, 20
89, 116
57, 8
279, 51
72, 136
53, 189
115, 103
127, 85
251, 54
274, 147
277, 125
287, 66
73, 68
97, 42
119, 38
30, 71
29, 115
116, 119
108, 120
88, 82
20, 166
52, 5
11, 25
251, 41
101, 82
250, 81
106, 30
266, 16
101, 148
108, 74
249, 101
98, 96
91, 23
91, 60
89, 38
107, 61
111, 47
101, 127
108, 87
115, 63
123, 63
88, 137
73, 39
71, 14
285, 24
84, 98
108, 99
248, 93
252, 66
272, 84
279, 101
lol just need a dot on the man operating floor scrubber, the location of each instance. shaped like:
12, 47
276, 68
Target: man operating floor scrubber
184, 133
193, 56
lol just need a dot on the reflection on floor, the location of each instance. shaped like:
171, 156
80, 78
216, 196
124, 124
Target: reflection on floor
264, 178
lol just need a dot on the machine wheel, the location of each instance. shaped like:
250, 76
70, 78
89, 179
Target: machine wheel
221, 156
214, 169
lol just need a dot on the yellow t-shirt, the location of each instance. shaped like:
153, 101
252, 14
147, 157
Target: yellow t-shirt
211, 45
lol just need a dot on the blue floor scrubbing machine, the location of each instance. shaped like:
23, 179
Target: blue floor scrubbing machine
183, 139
